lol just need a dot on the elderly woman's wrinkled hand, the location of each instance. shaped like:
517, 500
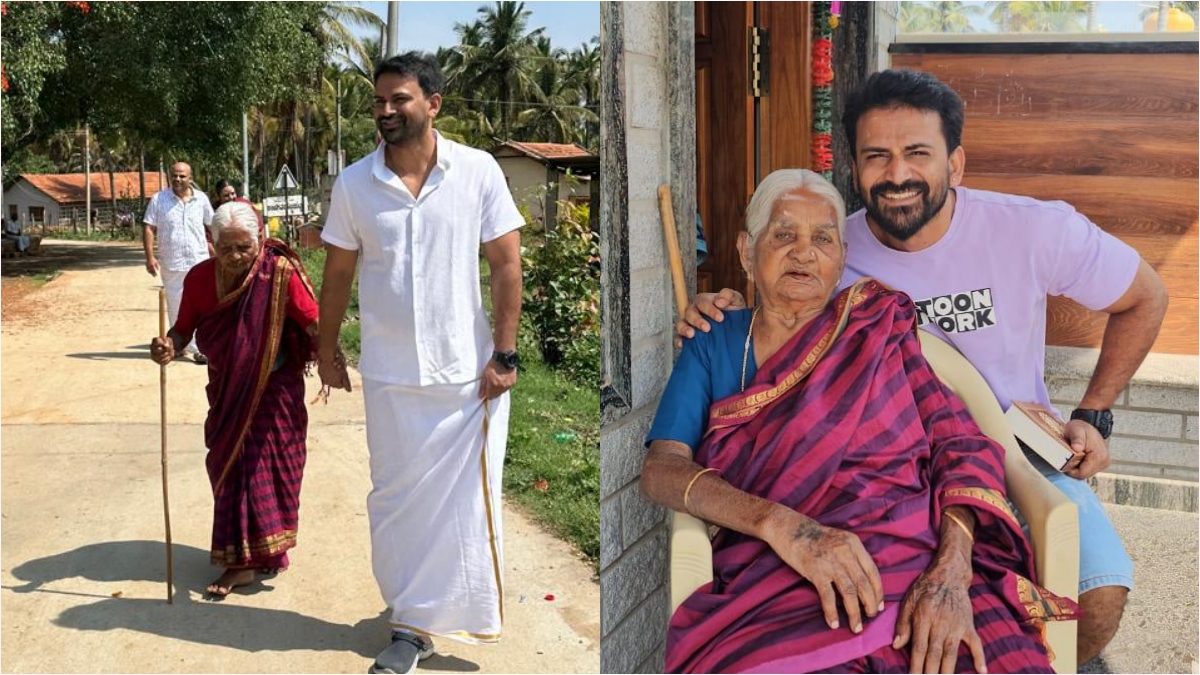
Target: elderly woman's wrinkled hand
836, 563
706, 305
162, 351
936, 617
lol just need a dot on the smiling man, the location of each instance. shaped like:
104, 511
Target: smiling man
177, 217
415, 213
979, 266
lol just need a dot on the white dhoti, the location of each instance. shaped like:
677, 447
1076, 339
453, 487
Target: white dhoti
436, 471
173, 283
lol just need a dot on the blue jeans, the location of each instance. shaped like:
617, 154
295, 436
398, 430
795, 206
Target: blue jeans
1102, 557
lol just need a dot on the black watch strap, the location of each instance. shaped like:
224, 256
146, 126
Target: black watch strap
509, 360
1101, 419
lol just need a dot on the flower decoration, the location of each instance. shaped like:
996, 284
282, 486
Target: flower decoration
825, 19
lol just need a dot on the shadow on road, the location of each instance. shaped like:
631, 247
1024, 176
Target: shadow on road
105, 356
63, 257
111, 562
190, 619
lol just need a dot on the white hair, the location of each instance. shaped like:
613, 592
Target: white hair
781, 182
237, 216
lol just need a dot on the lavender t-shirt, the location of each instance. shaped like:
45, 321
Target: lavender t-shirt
982, 287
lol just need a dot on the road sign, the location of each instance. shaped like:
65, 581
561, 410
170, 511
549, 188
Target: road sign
294, 205
285, 180
293, 202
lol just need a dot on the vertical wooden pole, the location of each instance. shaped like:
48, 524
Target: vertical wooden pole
162, 390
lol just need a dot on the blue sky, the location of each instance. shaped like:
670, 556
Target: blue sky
425, 26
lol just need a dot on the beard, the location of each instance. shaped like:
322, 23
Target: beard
404, 133
902, 223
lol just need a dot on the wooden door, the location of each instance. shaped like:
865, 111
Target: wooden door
740, 136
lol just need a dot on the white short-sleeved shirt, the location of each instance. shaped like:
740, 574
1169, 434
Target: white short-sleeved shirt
180, 228
423, 320
982, 287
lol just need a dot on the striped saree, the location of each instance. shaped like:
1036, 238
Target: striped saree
848, 424
257, 421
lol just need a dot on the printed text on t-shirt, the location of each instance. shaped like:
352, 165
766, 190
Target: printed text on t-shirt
958, 312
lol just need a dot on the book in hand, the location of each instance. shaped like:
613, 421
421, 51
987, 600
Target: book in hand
1037, 427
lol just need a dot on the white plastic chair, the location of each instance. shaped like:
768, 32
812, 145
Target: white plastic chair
1052, 518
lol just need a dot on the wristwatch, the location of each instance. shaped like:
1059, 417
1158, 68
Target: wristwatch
509, 360
1101, 419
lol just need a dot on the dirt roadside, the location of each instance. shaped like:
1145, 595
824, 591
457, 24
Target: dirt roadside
82, 564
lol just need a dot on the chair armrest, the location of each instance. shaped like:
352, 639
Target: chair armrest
691, 556
1053, 521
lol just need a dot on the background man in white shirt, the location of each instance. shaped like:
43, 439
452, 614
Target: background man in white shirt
178, 218
413, 216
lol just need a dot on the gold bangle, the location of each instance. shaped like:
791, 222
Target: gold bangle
688, 490
960, 523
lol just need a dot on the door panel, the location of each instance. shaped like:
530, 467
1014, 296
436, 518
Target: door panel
728, 117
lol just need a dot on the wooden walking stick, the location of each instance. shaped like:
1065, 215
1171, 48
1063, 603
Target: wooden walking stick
673, 255
162, 391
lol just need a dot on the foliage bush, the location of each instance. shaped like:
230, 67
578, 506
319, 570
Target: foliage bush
562, 293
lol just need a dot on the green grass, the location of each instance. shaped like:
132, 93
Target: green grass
350, 335
554, 436
98, 234
42, 278
553, 464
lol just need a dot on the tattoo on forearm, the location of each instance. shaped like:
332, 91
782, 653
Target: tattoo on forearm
809, 531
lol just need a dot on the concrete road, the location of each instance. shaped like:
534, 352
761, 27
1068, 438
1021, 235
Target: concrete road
82, 565
1159, 632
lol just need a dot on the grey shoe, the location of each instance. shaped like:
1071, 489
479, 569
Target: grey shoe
402, 655
199, 358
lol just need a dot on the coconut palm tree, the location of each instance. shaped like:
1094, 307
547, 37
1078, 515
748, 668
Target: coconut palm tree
498, 69
555, 114
1039, 17
938, 17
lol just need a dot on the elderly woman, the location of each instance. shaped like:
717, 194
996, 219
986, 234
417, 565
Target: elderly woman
863, 521
254, 315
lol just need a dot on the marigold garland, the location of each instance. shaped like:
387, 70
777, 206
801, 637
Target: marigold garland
825, 19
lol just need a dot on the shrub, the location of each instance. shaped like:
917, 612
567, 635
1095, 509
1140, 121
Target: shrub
562, 293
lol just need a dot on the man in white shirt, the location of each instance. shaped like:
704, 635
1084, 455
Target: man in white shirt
413, 216
177, 217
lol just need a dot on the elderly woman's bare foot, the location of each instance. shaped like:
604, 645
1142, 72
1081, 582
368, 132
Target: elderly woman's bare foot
231, 579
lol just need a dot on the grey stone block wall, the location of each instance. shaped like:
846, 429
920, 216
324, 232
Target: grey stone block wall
634, 534
1154, 430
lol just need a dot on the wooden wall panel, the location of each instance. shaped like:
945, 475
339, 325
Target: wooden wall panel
1025, 84
1134, 205
1174, 258
1133, 146
1075, 326
1114, 135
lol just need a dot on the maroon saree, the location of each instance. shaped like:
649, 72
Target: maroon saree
257, 421
848, 424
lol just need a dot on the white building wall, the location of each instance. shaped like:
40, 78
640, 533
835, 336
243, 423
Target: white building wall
23, 195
